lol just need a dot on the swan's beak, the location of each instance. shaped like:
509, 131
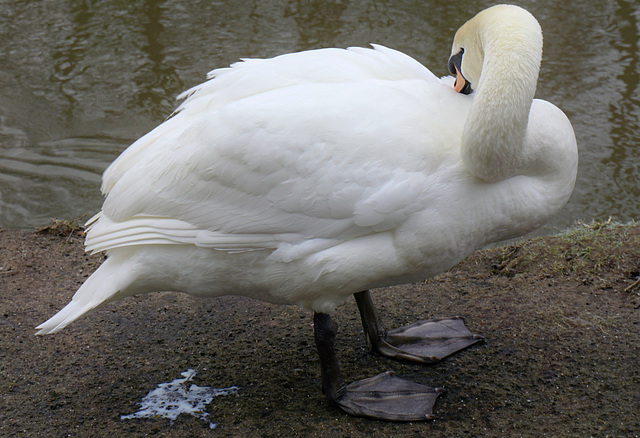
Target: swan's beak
461, 85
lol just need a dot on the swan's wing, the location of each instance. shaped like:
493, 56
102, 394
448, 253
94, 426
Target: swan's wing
301, 166
251, 77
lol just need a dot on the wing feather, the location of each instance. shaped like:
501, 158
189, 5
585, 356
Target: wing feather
279, 153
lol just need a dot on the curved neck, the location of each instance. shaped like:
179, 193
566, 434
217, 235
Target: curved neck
493, 135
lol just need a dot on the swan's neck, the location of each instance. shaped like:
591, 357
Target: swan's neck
493, 137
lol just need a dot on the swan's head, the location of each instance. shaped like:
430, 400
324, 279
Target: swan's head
503, 28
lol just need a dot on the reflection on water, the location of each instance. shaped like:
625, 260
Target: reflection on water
624, 115
79, 81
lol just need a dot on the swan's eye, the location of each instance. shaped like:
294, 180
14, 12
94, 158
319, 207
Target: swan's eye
455, 61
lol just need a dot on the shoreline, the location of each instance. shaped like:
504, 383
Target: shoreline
560, 315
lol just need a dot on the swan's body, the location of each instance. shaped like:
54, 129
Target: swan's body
310, 176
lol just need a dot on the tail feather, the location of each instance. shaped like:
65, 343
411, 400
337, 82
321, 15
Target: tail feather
64, 317
108, 283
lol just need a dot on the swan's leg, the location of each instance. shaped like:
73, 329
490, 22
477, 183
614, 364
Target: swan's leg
423, 342
325, 336
384, 397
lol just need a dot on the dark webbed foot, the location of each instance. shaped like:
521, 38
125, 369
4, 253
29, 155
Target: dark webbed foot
423, 342
427, 341
384, 397
387, 397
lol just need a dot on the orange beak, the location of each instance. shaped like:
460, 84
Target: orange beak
460, 82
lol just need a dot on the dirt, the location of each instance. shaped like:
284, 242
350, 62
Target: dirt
560, 316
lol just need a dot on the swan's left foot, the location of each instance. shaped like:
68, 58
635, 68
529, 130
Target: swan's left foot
384, 397
387, 397
422, 342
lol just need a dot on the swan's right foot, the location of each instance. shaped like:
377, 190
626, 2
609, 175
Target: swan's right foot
423, 342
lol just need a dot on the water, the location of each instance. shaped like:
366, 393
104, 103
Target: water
80, 80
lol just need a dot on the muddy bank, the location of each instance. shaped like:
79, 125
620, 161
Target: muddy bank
560, 316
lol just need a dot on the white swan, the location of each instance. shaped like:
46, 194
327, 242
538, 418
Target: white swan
309, 177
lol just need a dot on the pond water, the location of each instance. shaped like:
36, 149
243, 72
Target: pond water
80, 80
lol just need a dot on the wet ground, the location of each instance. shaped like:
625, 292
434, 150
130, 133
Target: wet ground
561, 318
